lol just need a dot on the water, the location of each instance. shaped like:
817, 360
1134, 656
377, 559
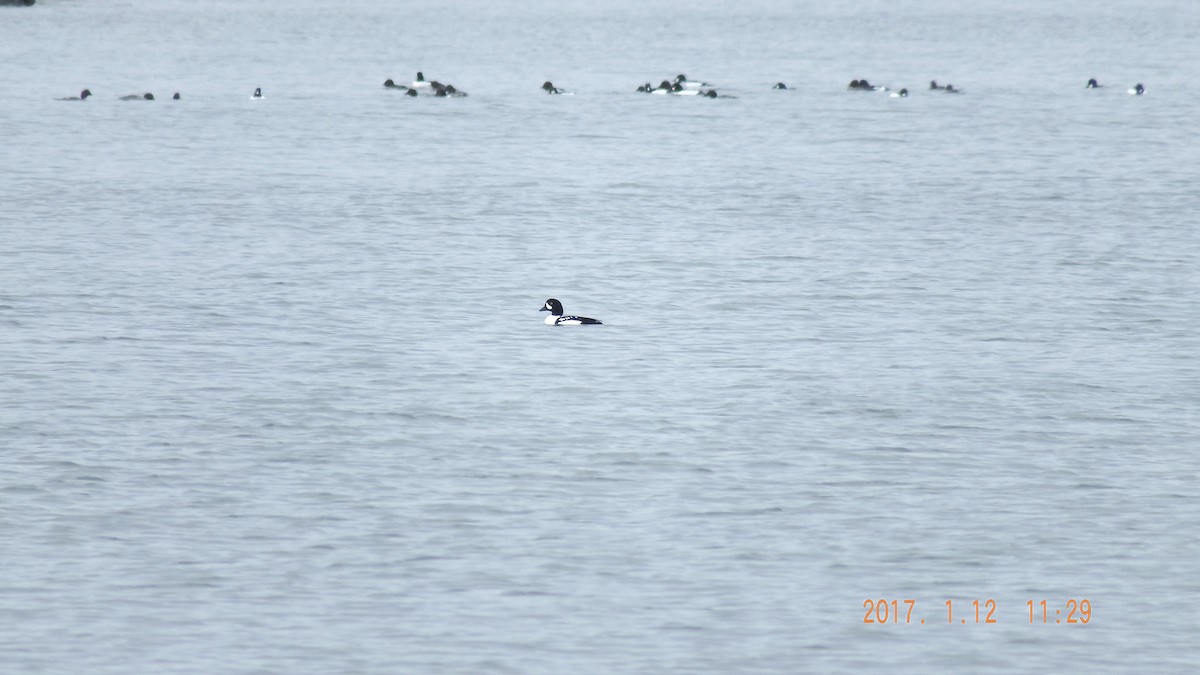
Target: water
277, 397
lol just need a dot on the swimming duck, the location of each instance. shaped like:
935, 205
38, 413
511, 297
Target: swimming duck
684, 82
863, 85
557, 318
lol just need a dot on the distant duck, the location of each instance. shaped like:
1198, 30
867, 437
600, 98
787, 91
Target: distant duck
682, 81
175, 97
663, 87
411, 92
420, 82
81, 97
933, 85
257, 93
440, 90
388, 83
779, 85
863, 85
1137, 91
712, 93
903, 93
557, 318
645, 88
1093, 84
138, 97
549, 88
951, 90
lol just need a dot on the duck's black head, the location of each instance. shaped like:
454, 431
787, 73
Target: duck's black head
855, 84
548, 86
711, 93
779, 85
175, 97
1092, 83
388, 83
420, 76
148, 96
85, 93
411, 92
258, 91
553, 306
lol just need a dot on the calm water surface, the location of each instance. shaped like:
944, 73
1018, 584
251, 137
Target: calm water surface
276, 396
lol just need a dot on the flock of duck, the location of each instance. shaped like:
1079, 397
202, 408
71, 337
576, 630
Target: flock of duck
431, 88
87, 93
679, 86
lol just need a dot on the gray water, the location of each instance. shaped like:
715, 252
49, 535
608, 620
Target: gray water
275, 396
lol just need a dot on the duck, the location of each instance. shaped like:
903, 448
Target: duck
440, 90
1093, 84
388, 83
1137, 90
175, 97
645, 88
903, 93
933, 85
549, 88
138, 97
420, 82
780, 85
557, 318
684, 82
257, 93
951, 90
663, 87
81, 97
679, 90
863, 85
